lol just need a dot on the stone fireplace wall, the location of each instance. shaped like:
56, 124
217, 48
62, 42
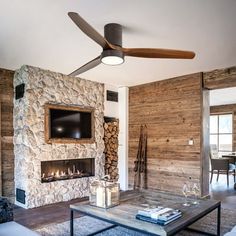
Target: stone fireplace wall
42, 86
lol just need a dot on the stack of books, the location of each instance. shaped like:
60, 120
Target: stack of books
159, 215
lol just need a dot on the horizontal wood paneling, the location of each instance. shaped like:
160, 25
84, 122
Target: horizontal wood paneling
0, 151
171, 109
220, 78
7, 155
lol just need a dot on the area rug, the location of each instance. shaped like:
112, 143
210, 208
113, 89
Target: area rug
86, 225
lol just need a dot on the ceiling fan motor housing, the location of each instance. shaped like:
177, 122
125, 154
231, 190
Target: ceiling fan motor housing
113, 34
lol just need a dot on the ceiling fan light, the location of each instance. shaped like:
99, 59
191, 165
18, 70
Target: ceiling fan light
112, 57
112, 60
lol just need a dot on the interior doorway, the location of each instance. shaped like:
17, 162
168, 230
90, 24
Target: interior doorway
219, 109
222, 140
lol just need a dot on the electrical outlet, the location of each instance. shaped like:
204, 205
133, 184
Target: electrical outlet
190, 142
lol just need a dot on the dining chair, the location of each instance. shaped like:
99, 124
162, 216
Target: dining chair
221, 166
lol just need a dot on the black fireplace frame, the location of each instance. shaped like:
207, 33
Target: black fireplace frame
86, 166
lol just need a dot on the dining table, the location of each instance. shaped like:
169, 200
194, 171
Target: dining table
232, 156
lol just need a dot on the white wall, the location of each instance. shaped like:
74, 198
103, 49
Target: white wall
111, 109
123, 137
120, 110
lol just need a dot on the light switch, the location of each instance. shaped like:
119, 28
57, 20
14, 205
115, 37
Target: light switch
190, 141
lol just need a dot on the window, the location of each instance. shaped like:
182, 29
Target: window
221, 132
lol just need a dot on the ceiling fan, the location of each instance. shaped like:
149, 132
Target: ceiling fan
113, 53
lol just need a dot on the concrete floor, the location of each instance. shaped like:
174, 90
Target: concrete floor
220, 191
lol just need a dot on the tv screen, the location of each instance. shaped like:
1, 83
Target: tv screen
70, 124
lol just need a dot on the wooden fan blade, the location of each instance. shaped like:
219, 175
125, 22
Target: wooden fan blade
87, 66
157, 53
89, 30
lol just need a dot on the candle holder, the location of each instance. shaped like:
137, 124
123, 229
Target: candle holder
104, 193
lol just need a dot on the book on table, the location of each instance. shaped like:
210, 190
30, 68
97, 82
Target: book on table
159, 215
149, 211
155, 221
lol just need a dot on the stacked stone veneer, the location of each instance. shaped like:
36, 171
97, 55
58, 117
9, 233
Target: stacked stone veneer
30, 149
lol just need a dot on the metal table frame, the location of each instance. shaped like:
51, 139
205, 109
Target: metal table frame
173, 232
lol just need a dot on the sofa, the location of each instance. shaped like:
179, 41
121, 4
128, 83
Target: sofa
232, 232
12, 228
8, 227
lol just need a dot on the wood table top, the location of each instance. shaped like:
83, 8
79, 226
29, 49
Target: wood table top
232, 155
132, 201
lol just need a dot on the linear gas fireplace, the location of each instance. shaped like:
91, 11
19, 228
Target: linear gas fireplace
66, 169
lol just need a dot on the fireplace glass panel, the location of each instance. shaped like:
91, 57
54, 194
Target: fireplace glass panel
66, 169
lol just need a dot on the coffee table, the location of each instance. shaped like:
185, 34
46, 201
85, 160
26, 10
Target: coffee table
131, 201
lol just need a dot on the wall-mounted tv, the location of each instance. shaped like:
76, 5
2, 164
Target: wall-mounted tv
69, 124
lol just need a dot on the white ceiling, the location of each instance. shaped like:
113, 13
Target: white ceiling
223, 96
39, 33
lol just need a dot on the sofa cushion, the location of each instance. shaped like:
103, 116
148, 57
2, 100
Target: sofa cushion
6, 210
14, 229
232, 232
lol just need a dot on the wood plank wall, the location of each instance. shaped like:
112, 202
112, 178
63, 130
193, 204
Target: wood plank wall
227, 109
173, 111
7, 155
220, 78
0, 151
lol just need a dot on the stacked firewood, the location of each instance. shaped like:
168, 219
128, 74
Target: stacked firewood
111, 149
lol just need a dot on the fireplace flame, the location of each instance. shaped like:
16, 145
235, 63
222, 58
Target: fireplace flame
57, 175
60, 174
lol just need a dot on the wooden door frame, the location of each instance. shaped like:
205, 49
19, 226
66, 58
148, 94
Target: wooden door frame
205, 113
220, 78
211, 80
